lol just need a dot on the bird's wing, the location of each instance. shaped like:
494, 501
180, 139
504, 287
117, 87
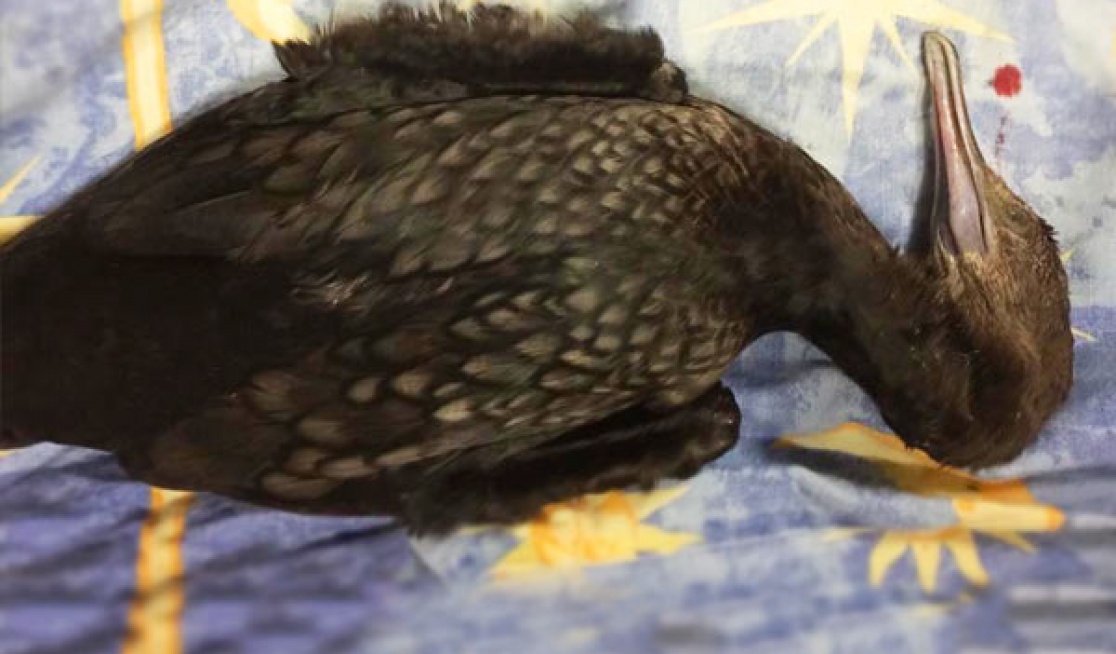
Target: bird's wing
472, 271
462, 368
452, 370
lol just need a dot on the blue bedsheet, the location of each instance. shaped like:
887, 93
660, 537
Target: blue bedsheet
818, 533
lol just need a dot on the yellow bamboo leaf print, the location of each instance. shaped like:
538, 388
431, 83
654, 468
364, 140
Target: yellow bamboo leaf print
995, 516
145, 69
594, 529
911, 470
1083, 335
12, 225
1002, 509
15, 180
856, 22
270, 20
1079, 334
154, 619
926, 547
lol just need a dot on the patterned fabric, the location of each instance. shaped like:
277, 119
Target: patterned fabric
814, 535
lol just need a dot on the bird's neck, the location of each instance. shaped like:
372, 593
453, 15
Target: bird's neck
834, 279
885, 326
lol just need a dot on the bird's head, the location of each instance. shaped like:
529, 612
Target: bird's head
997, 263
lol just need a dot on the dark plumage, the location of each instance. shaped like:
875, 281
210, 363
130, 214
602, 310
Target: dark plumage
453, 268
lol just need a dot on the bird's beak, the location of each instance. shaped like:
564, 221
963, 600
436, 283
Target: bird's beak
960, 212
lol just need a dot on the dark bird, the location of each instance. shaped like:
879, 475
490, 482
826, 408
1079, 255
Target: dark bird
458, 265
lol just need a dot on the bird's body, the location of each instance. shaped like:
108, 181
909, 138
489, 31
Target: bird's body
380, 287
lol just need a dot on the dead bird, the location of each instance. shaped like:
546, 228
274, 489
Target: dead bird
456, 266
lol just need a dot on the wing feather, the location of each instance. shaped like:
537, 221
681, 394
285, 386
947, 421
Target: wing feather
473, 278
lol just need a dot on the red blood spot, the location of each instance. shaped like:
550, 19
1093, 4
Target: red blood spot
1007, 81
